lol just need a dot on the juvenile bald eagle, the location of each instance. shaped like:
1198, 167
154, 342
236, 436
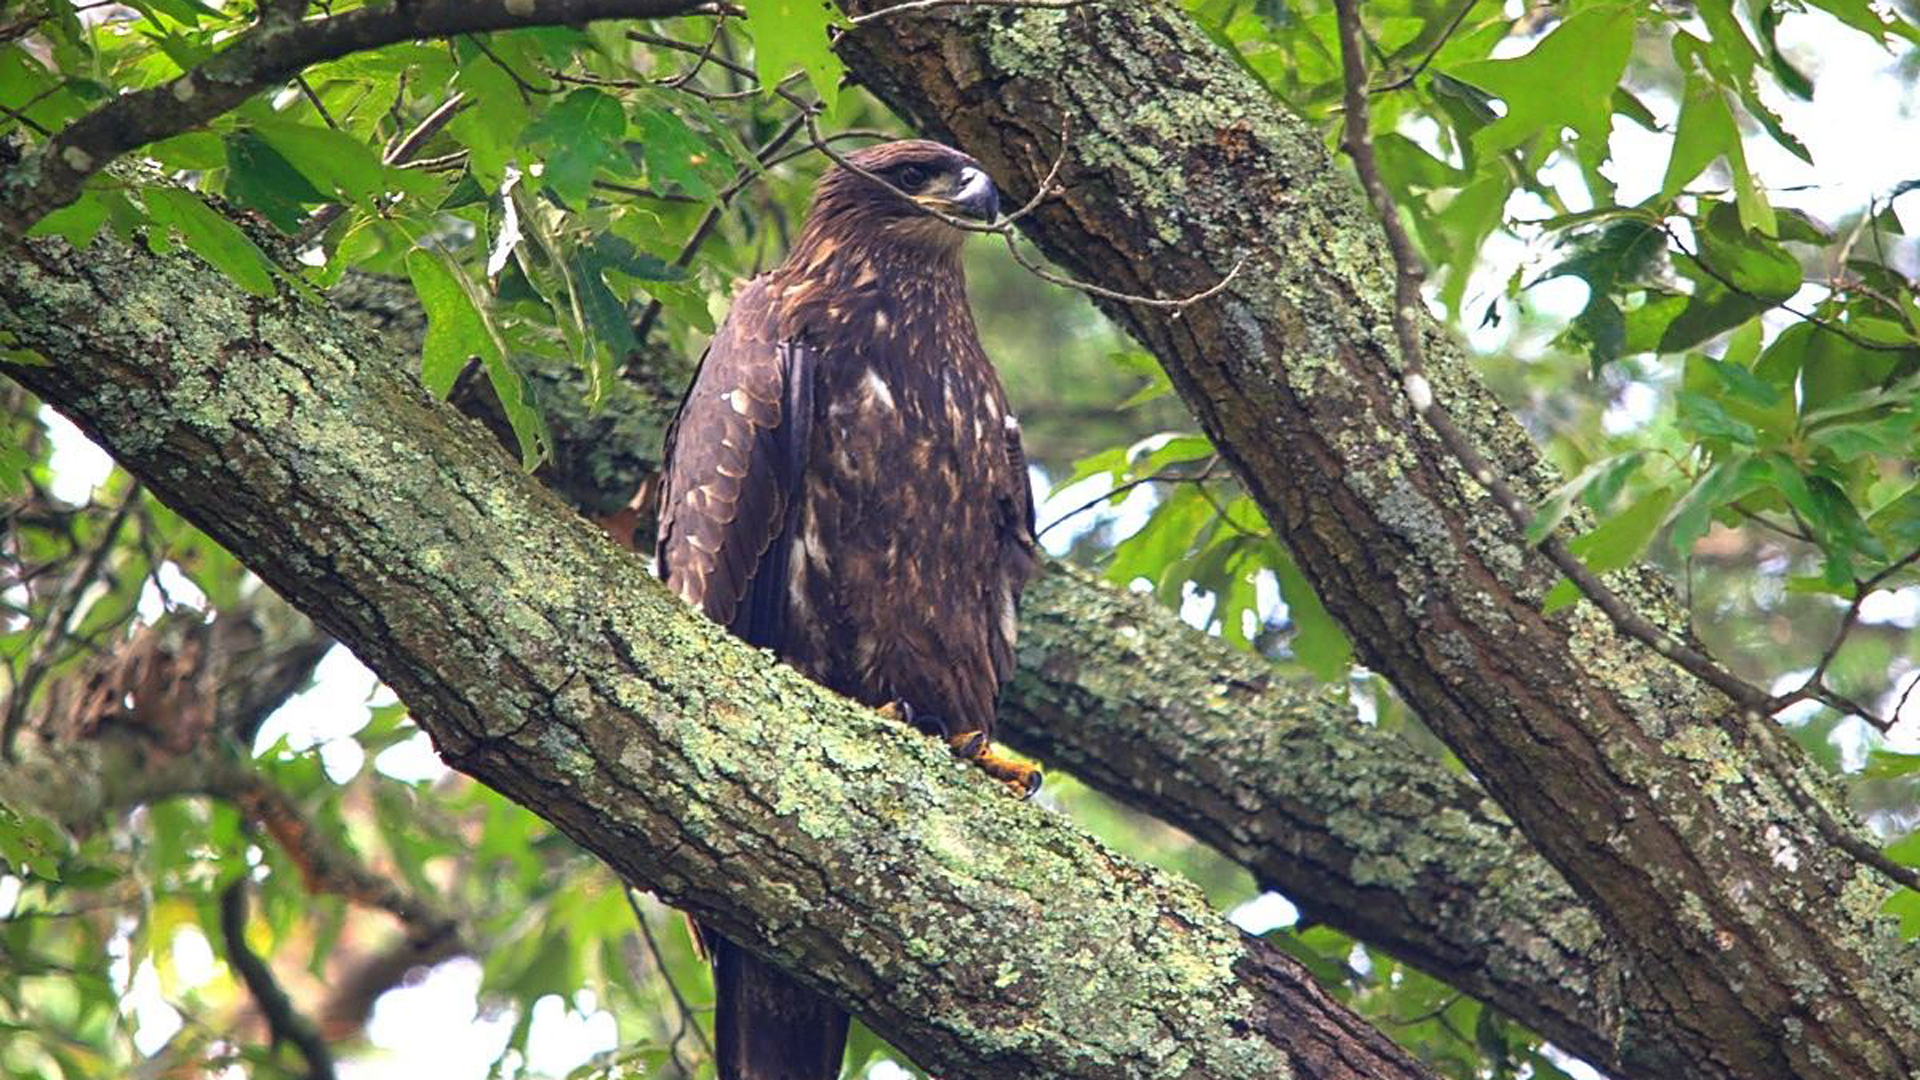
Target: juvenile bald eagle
845, 486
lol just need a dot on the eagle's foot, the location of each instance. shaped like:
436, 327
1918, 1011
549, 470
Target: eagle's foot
1020, 777
900, 710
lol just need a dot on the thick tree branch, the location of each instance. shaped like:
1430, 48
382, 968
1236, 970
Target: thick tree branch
984, 935
271, 52
1695, 831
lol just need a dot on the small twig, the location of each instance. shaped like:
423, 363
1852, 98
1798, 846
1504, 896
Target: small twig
645, 193
712, 219
399, 152
1446, 35
20, 112
683, 1010
283, 1023
913, 6
527, 90
1815, 687
1828, 325
323, 867
1901, 705
314, 99
1163, 476
706, 53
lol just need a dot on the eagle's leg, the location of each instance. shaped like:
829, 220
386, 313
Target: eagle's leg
1022, 778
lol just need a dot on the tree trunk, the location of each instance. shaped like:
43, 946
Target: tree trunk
1699, 835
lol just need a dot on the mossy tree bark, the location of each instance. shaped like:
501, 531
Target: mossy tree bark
983, 935
1698, 834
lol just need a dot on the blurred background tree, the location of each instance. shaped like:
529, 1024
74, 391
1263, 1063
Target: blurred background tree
1678, 255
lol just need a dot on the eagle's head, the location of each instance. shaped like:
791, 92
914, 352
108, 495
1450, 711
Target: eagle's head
847, 205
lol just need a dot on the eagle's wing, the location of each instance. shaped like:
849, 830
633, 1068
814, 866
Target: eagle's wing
735, 455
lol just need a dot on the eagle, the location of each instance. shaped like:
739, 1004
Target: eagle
844, 485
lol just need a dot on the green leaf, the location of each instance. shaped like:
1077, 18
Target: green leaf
582, 133
1567, 80
455, 330
210, 236
77, 223
260, 176
606, 318
1706, 131
793, 33
1617, 542
337, 163
677, 154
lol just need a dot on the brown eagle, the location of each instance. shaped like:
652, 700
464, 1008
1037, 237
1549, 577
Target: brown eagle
845, 486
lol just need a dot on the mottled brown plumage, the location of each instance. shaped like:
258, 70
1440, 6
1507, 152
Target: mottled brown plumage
845, 486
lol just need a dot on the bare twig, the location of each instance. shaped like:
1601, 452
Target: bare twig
914, 6
283, 1023
1426, 61
712, 219
1164, 476
323, 867
1815, 688
685, 1023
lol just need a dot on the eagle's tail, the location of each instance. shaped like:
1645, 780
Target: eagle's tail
766, 1026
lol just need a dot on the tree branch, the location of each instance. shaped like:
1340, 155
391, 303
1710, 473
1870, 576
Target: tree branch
551, 666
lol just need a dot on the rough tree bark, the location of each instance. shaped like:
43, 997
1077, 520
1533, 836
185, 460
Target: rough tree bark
1699, 835
985, 936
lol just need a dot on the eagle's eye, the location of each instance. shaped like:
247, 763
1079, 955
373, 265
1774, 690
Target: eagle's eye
913, 177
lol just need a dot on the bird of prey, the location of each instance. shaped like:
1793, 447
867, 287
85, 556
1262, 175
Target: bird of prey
845, 486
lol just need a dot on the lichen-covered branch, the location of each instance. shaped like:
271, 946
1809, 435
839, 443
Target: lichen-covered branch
985, 936
1698, 834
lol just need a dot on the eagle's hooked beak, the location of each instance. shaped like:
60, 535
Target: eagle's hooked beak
974, 195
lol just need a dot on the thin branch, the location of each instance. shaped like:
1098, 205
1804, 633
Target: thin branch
1408, 306
712, 219
313, 99
1815, 688
1446, 35
283, 1023
399, 152
685, 1022
915, 6
263, 56
323, 867
1164, 476
1730, 285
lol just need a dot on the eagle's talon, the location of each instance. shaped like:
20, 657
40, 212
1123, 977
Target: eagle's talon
968, 745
